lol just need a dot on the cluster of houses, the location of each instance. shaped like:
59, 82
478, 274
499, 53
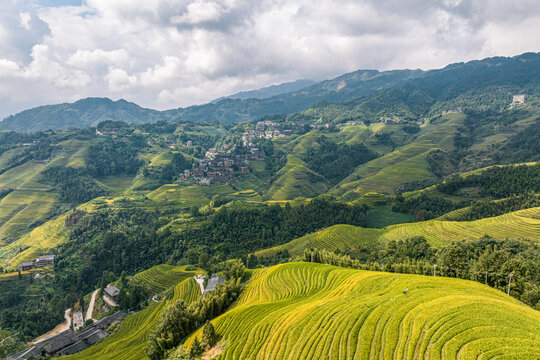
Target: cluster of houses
221, 168
68, 342
40, 262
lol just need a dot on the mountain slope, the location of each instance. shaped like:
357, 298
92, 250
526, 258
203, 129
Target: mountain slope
522, 224
270, 91
129, 342
90, 111
83, 113
313, 311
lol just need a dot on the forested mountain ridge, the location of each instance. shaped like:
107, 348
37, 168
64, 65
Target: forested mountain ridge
369, 94
89, 112
270, 91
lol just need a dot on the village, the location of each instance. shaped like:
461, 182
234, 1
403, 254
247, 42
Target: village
220, 167
80, 332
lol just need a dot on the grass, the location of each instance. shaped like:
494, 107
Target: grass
315, 311
522, 224
130, 341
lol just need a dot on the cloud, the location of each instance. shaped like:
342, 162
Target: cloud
171, 53
198, 12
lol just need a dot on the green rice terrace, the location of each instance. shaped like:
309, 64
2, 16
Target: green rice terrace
313, 311
522, 224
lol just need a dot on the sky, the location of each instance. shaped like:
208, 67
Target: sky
166, 54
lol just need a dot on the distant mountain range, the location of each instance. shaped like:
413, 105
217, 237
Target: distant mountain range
365, 87
270, 91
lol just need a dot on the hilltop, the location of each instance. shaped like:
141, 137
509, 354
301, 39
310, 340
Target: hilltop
302, 310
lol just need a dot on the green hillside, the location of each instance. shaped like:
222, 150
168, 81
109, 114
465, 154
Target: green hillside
313, 311
405, 164
523, 224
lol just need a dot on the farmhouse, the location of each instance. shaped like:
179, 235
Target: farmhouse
45, 260
519, 99
212, 283
111, 292
29, 265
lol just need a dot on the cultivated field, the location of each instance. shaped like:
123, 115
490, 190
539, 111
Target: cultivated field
522, 224
402, 165
315, 311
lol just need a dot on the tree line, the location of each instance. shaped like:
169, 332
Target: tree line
485, 260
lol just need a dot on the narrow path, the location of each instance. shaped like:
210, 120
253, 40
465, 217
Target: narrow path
200, 281
90, 310
58, 329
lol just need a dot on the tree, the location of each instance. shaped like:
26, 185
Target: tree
210, 337
194, 211
196, 349
204, 261
192, 256
453, 260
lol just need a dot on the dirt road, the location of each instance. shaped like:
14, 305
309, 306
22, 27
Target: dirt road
90, 310
58, 329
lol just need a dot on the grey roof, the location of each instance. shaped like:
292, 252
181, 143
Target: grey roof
67, 342
107, 321
72, 349
31, 351
213, 282
26, 263
94, 336
58, 343
46, 257
112, 291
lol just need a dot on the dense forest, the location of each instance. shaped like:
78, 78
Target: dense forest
115, 156
424, 207
334, 161
132, 240
73, 185
497, 182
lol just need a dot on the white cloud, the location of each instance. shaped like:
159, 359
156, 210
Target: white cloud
170, 53
118, 79
198, 12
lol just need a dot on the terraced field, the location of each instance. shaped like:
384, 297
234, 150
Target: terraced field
162, 277
32, 201
39, 240
405, 164
294, 180
337, 237
131, 339
315, 311
189, 195
522, 224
